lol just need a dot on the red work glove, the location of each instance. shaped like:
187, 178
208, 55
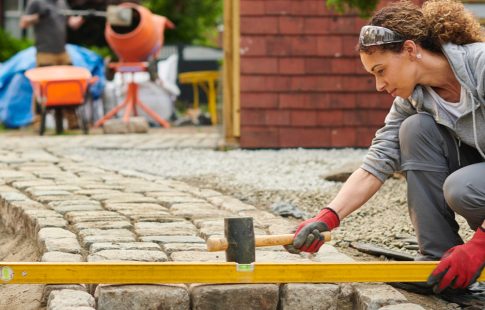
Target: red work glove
307, 236
461, 265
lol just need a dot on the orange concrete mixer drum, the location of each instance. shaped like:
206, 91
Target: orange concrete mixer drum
140, 40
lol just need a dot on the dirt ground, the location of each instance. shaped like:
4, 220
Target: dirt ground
17, 248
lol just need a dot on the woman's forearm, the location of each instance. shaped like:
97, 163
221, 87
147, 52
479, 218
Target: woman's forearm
358, 188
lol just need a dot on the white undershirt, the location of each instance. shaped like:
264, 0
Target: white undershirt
453, 109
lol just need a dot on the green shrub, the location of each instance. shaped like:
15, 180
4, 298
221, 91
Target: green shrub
9, 45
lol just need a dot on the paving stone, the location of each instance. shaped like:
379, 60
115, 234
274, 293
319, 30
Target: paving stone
166, 192
197, 210
102, 225
45, 222
222, 297
128, 255
21, 185
279, 256
105, 232
406, 306
102, 186
58, 233
50, 199
165, 229
142, 297
78, 207
92, 216
154, 216
97, 191
329, 253
169, 201
145, 246
176, 247
124, 197
55, 187
67, 245
88, 240
143, 188
296, 296
132, 199
60, 300
48, 288
374, 296
203, 192
13, 196
198, 256
143, 207
75, 202
54, 257
230, 204
10, 176
172, 239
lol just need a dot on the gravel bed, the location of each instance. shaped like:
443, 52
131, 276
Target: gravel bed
299, 177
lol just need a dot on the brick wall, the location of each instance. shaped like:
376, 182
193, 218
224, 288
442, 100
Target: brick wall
302, 83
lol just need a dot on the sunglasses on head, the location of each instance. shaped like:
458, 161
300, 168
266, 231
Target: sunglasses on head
375, 35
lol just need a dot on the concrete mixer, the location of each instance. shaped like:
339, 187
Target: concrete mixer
136, 46
140, 40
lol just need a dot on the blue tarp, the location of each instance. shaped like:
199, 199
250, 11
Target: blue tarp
16, 91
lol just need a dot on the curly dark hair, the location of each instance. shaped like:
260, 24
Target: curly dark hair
435, 23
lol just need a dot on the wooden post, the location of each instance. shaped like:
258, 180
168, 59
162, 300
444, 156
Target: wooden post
231, 72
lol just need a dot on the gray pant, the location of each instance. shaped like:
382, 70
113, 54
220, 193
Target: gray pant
443, 177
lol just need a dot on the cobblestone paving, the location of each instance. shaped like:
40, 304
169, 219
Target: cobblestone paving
78, 212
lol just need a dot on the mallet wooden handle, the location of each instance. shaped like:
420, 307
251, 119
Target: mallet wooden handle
220, 244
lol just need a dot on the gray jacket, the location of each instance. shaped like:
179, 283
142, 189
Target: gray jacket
468, 64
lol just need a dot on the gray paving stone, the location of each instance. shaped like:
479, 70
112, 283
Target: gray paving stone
58, 233
405, 306
170, 248
198, 256
230, 204
169, 201
60, 300
142, 297
134, 206
88, 240
67, 245
222, 297
55, 187
97, 191
128, 255
102, 225
74, 202
374, 296
197, 210
48, 288
77, 207
93, 216
132, 199
45, 222
166, 192
165, 229
54, 257
50, 199
10, 176
105, 232
145, 246
298, 296
172, 239
21, 185
153, 216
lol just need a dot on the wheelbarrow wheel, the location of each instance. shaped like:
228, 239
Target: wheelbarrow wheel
43, 114
58, 117
82, 119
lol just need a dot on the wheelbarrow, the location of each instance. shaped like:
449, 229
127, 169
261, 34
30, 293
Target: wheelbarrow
58, 88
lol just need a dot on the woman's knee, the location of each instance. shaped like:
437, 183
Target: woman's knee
416, 127
464, 196
455, 192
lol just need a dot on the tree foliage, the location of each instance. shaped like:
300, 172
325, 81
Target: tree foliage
364, 7
196, 21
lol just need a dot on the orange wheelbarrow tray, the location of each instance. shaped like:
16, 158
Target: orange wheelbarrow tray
57, 86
